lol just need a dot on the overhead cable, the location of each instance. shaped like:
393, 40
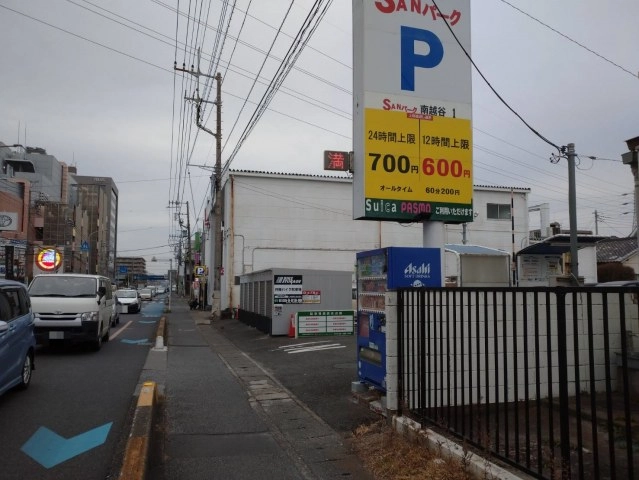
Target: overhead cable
490, 85
571, 39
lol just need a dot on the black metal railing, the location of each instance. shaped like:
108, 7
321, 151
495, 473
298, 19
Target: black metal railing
540, 378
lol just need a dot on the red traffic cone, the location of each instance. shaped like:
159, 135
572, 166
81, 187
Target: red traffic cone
291, 326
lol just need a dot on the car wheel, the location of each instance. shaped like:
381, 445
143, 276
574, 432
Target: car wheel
97, 343
27, 369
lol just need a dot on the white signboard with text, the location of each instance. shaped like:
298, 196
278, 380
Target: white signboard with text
412, 134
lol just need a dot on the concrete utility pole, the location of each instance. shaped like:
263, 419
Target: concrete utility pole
189, 258
217, 284
572, 211
216, 181
632, 158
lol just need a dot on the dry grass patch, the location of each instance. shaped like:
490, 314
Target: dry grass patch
388, 455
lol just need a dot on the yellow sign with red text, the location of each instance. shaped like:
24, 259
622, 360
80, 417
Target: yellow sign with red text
419, 154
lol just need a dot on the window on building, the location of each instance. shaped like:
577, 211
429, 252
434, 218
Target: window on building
498, 211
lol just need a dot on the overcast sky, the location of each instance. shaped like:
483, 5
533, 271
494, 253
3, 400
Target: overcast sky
93, 83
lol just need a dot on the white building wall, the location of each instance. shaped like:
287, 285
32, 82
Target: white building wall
296, 221
495, 233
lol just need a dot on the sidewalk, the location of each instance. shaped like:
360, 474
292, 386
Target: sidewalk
225, 417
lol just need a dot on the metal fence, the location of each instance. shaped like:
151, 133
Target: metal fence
540, 378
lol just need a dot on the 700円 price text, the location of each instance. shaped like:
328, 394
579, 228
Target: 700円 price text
429, 166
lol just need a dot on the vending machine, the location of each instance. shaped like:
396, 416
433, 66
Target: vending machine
379, 271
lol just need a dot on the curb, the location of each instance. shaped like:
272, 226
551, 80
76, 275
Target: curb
160, 335
478, 466
135, 463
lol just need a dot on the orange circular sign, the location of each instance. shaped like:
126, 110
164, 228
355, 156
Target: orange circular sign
49, 259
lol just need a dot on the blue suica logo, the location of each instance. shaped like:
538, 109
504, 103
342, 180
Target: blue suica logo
423, 270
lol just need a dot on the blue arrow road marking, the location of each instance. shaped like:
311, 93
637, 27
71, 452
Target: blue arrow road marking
148, 321
136, 342
152, 312
50, 449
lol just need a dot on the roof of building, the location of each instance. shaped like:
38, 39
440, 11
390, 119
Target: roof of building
616, 249
559, 244
332, 175
474, 250
336, 174
501, 187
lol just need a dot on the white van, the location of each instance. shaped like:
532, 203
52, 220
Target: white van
72, 307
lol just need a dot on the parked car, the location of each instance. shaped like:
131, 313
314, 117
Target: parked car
129, 300
17, 341
72, 307
146, 294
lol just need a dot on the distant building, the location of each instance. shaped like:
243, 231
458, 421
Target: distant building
129, 269
56, 210
96, 224
548, 263
14, 228
621, 251
274, 220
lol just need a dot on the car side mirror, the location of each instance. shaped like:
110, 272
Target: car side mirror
101, 293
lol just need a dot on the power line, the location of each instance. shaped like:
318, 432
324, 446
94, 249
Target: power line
570, 39
86, 39
266, 57
311, 22
490, 85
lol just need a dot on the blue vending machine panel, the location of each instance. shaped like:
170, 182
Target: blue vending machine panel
377, 272
371, 317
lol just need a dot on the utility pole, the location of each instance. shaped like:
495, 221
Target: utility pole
572, 211
217, 283
216, 181
596, 223
188, 261
631, 158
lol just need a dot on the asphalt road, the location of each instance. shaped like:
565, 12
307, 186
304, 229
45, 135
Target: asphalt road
74, 419
317, 370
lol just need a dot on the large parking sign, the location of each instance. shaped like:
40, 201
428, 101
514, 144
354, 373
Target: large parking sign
412, 136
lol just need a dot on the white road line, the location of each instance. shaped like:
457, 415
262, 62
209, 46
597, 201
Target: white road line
118, 332
317, 349
284, 347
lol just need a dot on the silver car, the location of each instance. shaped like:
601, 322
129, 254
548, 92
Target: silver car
146, 294
129, 300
